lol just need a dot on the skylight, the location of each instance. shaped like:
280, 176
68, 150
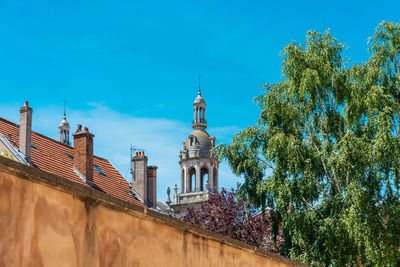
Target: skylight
99, 170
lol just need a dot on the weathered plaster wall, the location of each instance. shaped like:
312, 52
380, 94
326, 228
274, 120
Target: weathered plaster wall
46, 220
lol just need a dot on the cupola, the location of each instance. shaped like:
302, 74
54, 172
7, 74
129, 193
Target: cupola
199, 116
64, 131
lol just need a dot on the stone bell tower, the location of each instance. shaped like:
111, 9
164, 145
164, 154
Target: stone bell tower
199, 167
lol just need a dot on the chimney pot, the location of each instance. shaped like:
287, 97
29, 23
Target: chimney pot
86, 129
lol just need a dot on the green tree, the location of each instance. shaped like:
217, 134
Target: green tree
4, 153
325, 153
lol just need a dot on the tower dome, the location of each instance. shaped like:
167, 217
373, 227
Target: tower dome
202, 140
199, 99
64, 123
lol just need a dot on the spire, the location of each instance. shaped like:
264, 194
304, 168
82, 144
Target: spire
199, 86
65, 108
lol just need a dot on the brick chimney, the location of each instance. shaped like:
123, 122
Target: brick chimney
144, 178
25, 130
83, 152
152, 185
139, 174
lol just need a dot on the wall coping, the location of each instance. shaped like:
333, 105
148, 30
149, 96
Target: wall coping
92, 195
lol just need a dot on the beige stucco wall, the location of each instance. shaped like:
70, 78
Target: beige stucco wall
48, 221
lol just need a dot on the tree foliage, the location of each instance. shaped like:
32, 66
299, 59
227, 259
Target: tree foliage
325, 153
226, 215
4, 153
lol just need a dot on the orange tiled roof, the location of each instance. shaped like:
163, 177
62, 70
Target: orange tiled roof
54, 157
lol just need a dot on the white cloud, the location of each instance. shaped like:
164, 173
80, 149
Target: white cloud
115, 132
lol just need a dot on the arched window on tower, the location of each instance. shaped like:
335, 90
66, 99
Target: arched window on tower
203, 178
192, 179
193, 140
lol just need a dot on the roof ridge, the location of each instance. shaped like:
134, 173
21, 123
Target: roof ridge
42, 135
51, 139
7, 121
101, 158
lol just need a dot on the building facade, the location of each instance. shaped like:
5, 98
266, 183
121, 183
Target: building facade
199, 166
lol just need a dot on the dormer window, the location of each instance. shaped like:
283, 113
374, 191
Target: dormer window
193, 141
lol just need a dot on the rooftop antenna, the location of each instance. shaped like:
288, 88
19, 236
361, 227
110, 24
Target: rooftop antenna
130, 159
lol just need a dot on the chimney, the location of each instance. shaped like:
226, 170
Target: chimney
25, 130
152, 185
139, 175
83, 152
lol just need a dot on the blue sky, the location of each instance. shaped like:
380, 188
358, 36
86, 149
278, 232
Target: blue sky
128, 69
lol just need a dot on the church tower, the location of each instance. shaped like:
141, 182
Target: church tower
64, 131
199, 166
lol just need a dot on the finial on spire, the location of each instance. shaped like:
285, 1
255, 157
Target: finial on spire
65, 108
199, 85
